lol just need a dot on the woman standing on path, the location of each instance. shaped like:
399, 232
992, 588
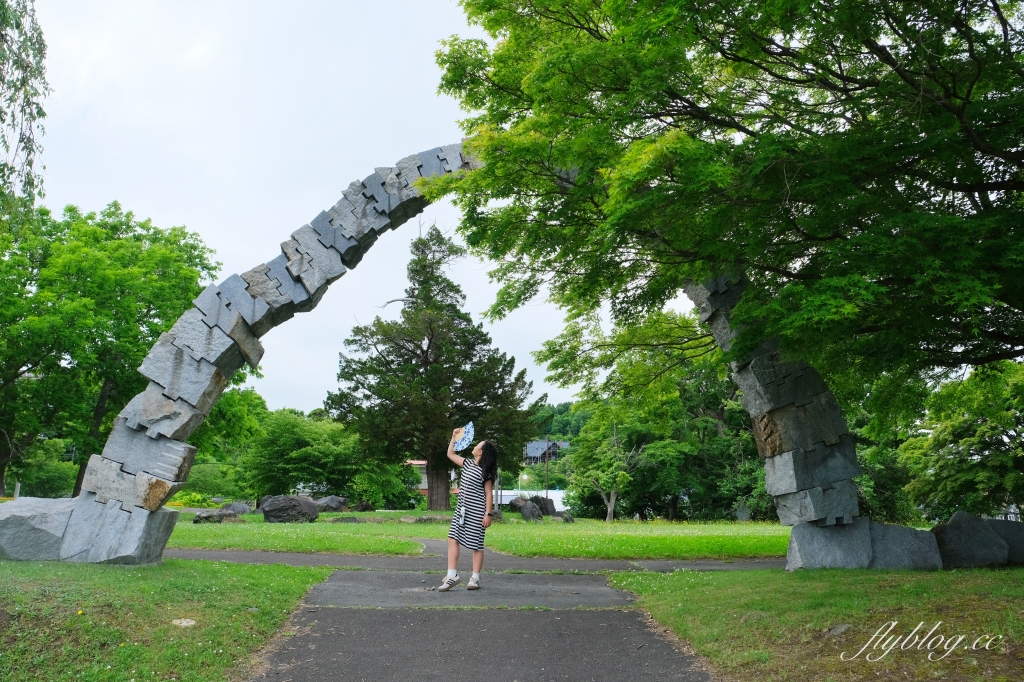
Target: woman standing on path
473, 512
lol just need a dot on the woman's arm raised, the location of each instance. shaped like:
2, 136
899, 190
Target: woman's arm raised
451, 449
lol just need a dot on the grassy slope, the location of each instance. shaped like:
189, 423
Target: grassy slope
770, 626
124, 630
585, 538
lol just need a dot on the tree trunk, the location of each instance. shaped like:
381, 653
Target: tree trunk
439, 484
98, 413
3, 478
672, 507
611, 507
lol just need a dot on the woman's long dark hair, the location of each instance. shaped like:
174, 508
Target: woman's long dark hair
489, 460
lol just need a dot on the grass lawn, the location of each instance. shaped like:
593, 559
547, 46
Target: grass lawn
592, 539
113, 623
771, 626
584, 539
338, 538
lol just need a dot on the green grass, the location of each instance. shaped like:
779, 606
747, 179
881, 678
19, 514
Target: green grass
337, 538
770, 626
113, 623
584, 539
635, 540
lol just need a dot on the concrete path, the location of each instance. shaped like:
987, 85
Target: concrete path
533, 620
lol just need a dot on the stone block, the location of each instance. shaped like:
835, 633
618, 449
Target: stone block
847, 546
451, 158
343, 218
137, 452
105, 533
254, 310
332, 503
368, 218
819, 468
237, 507
289, 286
300, 266
105, 478
197, 382
192, 334
967, 541
430, 163
327, 260
800, 427
32, 528
375, 191
350, 250
1012, 533
836, 504
721, 329
900, 547
267, 287
156, 414
768, 383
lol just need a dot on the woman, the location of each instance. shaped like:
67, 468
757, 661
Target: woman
473, 512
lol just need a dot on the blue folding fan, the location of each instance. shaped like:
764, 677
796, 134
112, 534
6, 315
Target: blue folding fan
467, 437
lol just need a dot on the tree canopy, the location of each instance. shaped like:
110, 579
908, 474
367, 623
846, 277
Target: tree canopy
82, 299
410, 381
859, 161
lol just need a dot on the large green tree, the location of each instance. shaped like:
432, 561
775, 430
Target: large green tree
410, 381
23, 87
860, 161
969, 451
82, 299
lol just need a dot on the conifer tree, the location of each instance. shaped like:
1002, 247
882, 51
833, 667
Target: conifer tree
407, 383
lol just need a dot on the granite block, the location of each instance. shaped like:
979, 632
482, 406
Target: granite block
197, 382
105, 533
32, 528
967, 541
836, 504
254, 310
1012, 533
819, 468
847, 546
156, 414
267, 287
900, 547
802, 427
105, 478
137, 452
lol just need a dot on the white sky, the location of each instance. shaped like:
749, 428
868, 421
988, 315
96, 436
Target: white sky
242, 121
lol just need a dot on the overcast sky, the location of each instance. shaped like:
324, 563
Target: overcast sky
242, 121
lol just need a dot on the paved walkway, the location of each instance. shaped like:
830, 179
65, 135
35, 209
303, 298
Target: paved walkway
558, 620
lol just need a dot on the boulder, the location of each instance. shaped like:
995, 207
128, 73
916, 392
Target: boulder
967, 541
263, 501
1012, 533
545, 504
433, 518
846, 546
332, 503
214, 516
364, 506
516, 504
289, 509
497, 516
237, 507
31, 528
567, 517
531, 512
900, 547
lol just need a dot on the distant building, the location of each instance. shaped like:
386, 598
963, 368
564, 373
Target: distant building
534, 451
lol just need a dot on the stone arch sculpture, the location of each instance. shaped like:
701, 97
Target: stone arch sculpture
810, 459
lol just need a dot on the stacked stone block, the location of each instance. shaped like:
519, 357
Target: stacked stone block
119, 518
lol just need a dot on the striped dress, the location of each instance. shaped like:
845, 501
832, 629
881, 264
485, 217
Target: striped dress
467, 524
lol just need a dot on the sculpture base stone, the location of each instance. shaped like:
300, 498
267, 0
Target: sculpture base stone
1012, 533
32, 528
847, 546
966, 541
106, 534
900, 547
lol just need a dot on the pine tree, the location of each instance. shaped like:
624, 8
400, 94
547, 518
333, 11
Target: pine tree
409, 382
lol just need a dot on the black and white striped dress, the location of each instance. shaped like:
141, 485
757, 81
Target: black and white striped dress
467, 524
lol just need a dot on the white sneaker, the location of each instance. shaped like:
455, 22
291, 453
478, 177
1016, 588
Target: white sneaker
474, 584
449, 583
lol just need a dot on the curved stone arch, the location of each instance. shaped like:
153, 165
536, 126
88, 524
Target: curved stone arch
119, 517
810, 457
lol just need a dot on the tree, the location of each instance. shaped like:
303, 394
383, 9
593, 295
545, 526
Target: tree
82, 299
661, 389
969, 453
294, 450
608, 471
22, 88
859, 161
411, 381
